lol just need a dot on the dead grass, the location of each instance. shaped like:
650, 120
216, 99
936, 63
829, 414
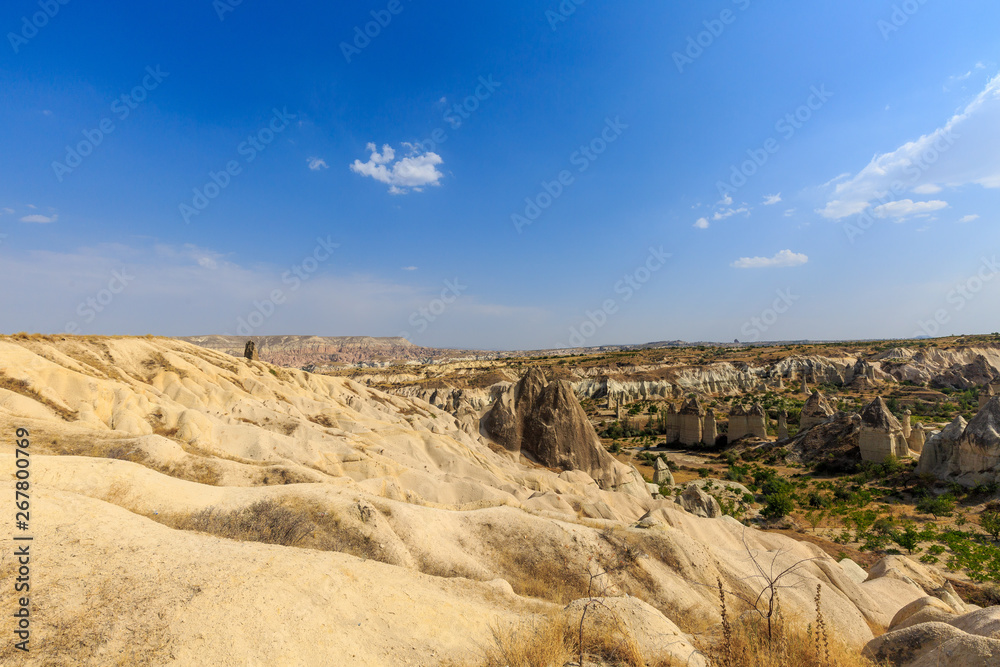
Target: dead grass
554, 641
266, 521
157, 362
24, 388
532, 573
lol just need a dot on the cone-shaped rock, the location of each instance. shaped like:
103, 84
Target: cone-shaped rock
881, 433
815, 411
545, 421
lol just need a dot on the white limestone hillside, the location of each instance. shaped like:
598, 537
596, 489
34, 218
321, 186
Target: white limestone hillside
396, 537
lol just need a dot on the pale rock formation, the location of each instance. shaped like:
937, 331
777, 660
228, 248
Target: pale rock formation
970, 640
737, 423
805, 387
938, 449
661, 472
673, 424
757, 421
978, 451
691, 416
923, 610
987, 392
545, 420
658, 639
699, 503
971, 458
881, 433
783, 425
907, 429
815, 411
918, 436
709, 431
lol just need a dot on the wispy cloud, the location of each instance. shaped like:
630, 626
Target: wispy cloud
701, 223
41, 219
771, 200
729, 212
413, 172
904, 208
317, 163
961, 152
785, 258
409, 268
969, 218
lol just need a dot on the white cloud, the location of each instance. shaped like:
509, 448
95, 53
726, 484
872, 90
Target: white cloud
409, 268
412, 172
969, 218
40, 218
927, 189
962, 151
729, 212
789, 212
725, 201
904, 208
785, 258
771, 200
317, 163
8, 211
701, 223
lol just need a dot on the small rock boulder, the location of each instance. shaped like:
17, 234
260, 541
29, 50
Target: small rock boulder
699, 503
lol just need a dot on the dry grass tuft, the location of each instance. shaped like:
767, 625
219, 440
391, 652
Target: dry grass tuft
745, 643
553, 641
24, 388
264, 521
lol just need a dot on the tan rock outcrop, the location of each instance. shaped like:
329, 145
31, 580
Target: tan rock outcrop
815, 411
545, 420
691, 416
971, 457
783, 425
917, 438
672, 423
661, 472
938, 450
881, 433
709, 430
698, 502
737, 423
757, 421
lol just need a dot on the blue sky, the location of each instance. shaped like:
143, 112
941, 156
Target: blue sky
613, 172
